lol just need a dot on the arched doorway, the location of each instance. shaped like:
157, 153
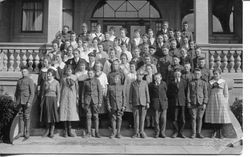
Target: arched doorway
131, 14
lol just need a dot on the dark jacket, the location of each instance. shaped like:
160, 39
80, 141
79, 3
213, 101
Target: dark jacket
92, 90
76, 66
139, 93
116, 97
24, 91
197, 93
176, 92
158, 95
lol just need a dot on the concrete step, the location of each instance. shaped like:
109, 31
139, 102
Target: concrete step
125, 145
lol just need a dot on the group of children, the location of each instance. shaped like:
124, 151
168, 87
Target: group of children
92, 73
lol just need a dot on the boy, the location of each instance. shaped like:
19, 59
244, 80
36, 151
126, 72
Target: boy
116, 105
197, 97
24, 95
186, 32
139, 100
164, 63
171, 68
174, 51
91, 101
107, 43
177, 98
159, 102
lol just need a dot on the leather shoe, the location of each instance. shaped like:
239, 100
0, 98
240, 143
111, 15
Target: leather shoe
163, 135
193, 136
143, 135
88, 135
199, 135
137, 135
112, 135
175, 135
97, 135
156, 135
118, 136
182, 136
18, 136
214, 134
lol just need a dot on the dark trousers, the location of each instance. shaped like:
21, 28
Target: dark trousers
160, 121
116, 120
139, 118
92, 112
196, 115
24, 118
179, 111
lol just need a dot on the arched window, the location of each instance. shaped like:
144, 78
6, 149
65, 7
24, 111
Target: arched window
126, 9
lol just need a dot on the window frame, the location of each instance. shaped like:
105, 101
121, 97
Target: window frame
29, 31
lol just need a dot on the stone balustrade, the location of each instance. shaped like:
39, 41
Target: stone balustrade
15, 55
227, 57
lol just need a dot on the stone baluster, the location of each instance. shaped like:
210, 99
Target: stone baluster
18, 60
11, 60
24, 58
37, 60
225, 70
5, 60
218, 60
238, 62
211, 60
231, 61
30, 62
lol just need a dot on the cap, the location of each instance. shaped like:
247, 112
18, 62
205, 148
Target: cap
201, 58
91, 54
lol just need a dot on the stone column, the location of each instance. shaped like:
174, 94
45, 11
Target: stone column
54, 18
201, 21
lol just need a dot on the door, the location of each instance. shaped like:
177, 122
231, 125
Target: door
129, 25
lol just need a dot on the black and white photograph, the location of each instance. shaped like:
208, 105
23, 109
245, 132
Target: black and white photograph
122, 77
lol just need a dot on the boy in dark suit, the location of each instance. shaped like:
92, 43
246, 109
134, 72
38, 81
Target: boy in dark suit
139, 100
197, 97
177, 97
24, 95
159, 102
116, 105
91, 101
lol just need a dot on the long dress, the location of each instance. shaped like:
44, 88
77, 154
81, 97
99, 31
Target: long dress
68, 102
50, 97
102, 77
131, 77
218, 109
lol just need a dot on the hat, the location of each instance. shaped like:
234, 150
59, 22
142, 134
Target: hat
92, 54
201, 58
151, 47
177, 69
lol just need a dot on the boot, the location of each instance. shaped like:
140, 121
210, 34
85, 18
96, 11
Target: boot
46, 131
181, 131
176, 129
88, 128
221, 134
113, 128
65, 134
97, 135
69, 130
119, 124
52, 128
27, 129
21, 128
214, 134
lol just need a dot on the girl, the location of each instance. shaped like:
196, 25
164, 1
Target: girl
124, 66
50, 103
217, 112
69, 101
